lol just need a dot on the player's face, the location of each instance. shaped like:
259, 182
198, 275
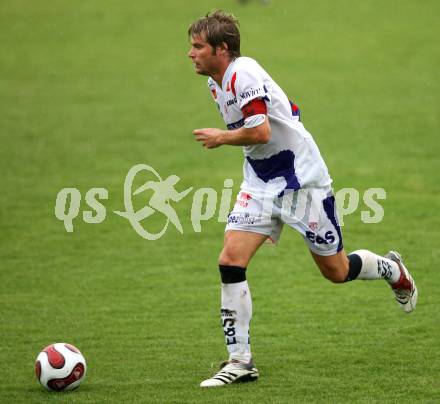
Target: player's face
203, 56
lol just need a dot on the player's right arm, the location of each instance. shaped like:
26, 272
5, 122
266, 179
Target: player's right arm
256, 129
215, 137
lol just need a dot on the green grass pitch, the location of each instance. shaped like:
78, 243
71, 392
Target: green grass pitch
89, 89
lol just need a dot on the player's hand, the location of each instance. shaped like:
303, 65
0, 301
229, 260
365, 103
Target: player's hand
210, 137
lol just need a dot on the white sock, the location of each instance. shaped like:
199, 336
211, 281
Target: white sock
376, 267
236, 314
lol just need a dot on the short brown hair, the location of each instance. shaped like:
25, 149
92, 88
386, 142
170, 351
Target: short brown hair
218, 27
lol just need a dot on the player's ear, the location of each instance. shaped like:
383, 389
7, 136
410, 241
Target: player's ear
224, 49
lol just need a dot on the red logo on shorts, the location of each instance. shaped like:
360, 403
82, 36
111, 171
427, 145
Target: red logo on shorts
313, 226
243, 198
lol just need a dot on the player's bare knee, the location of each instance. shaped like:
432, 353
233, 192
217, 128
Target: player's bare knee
336, 277
225, 260
334, 274
229, 258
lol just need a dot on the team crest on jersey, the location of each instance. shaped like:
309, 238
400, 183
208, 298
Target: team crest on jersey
214, 93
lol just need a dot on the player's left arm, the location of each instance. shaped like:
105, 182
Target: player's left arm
256, 129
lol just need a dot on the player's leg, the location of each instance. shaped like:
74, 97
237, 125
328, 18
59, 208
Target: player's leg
320, 229
236, 302
335, 267
239, 247
361, 264
249, 225
366, 265
236, 306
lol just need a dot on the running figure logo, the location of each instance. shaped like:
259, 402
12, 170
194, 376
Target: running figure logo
164, 191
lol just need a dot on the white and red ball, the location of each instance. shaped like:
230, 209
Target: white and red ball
60, 367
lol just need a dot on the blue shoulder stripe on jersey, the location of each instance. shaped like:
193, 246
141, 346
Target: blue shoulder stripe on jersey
281, 164
295, 110
235, 125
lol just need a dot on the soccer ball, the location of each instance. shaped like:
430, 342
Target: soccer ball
60, 367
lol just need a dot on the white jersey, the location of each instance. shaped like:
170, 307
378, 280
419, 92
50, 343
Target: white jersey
291, 159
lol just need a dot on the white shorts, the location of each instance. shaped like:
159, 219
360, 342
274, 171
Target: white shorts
311, 211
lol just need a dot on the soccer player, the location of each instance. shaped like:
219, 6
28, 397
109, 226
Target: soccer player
285, 182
